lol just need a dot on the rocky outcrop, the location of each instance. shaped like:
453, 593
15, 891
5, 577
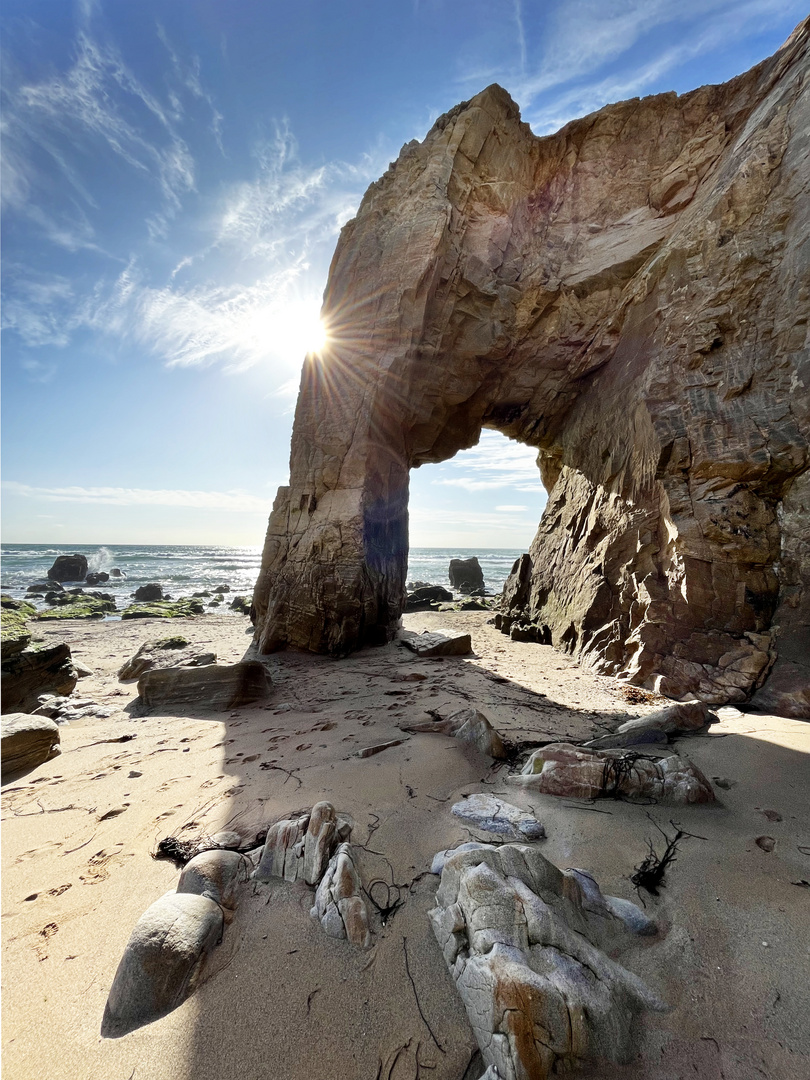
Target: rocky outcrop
527, 947
629, 296
466, 575
339, 905
68, 568
213, 686
33, 671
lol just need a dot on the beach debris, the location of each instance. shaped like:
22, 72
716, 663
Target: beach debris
68, 568
468, 725
167, 652
339, 906
526, 945
377, 748
766, 843
649, 874
27, 741
772, 815
436, 643
163, 961
492, 816
580, 773
217, 687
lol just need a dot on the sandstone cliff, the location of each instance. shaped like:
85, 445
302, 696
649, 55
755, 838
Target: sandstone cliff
630, 296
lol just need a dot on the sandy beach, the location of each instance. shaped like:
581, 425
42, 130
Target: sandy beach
282, 999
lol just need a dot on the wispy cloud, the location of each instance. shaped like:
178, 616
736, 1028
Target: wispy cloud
494, 463
234, 501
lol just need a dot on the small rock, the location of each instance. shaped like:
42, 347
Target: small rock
437, 643
152, 591
767, 843
488, 814
467, 725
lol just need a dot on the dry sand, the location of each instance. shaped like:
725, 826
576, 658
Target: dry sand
282, 999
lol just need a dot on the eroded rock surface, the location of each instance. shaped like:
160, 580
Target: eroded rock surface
466, 725
525, 945
630, 297
495, 818
167, 652
213, 686
339, 905
27, 741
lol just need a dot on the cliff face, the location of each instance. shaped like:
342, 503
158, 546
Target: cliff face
630, 296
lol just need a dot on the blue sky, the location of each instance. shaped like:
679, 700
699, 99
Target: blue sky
174, 180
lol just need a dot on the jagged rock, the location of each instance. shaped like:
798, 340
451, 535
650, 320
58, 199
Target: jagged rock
68, 568
215, 874
436, 643
467, 725
215, 686
494, 817
339, 906
526, 947
582, 293
301, 847
169, 652
36, 670
580, 773
466, 575
27, 741
163, 961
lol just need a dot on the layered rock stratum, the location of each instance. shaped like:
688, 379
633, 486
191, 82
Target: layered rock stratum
630, 296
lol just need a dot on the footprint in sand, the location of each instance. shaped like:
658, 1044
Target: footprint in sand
48, 848
98, 867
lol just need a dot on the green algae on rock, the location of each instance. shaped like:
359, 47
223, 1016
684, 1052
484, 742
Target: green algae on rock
13, 616
164, 609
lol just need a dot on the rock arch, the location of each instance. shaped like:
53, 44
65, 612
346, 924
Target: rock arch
630, 297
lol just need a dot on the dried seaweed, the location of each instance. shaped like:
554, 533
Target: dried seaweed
620, 768
650, 872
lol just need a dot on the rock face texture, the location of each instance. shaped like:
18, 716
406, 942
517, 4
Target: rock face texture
629, 296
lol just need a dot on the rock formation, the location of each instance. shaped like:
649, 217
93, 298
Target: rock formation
629, 296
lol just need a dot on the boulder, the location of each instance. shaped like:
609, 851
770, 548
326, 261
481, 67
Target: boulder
68, 568
467, 725
221, 588
169, 652
14, 616
97, 577
339, 905
242, 604
426, 598
163, 962
216, 687
579, 773
36, 670
436, 643
466, 575
493, 817
152, 591
216, 874
27, 741
581, 293
117, 572
679, 719
527, 947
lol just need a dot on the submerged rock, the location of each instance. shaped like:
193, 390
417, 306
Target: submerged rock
69, 568
466, 575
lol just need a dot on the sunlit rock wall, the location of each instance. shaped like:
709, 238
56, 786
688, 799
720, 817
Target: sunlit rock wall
630, 297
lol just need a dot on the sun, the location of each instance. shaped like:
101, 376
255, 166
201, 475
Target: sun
315, 335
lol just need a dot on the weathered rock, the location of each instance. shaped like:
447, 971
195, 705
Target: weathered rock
97, 577
215, 874
466, 575
494, 817
466, 725
76, 604
215, 686
69, 568
169, 652
579, 773
436, 643
149, 592
27, 741
301, 847
163, 961
647, 737
677, 719
427, 598
524, 944
241, 604
14, 616
581, 293
164, 609
38, 669
441, 857
339, 906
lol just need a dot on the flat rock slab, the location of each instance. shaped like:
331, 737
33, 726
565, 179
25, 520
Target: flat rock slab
170, 652
487, 814
27, 741
436, 643
215, 686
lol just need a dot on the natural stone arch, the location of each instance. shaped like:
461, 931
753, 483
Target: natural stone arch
629, 296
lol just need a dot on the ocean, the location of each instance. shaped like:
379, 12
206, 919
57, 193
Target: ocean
183, 570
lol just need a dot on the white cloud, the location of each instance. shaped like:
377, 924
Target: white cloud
494, 463
510, 509
234, 501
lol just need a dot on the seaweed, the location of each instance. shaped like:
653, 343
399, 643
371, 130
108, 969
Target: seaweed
650, 872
